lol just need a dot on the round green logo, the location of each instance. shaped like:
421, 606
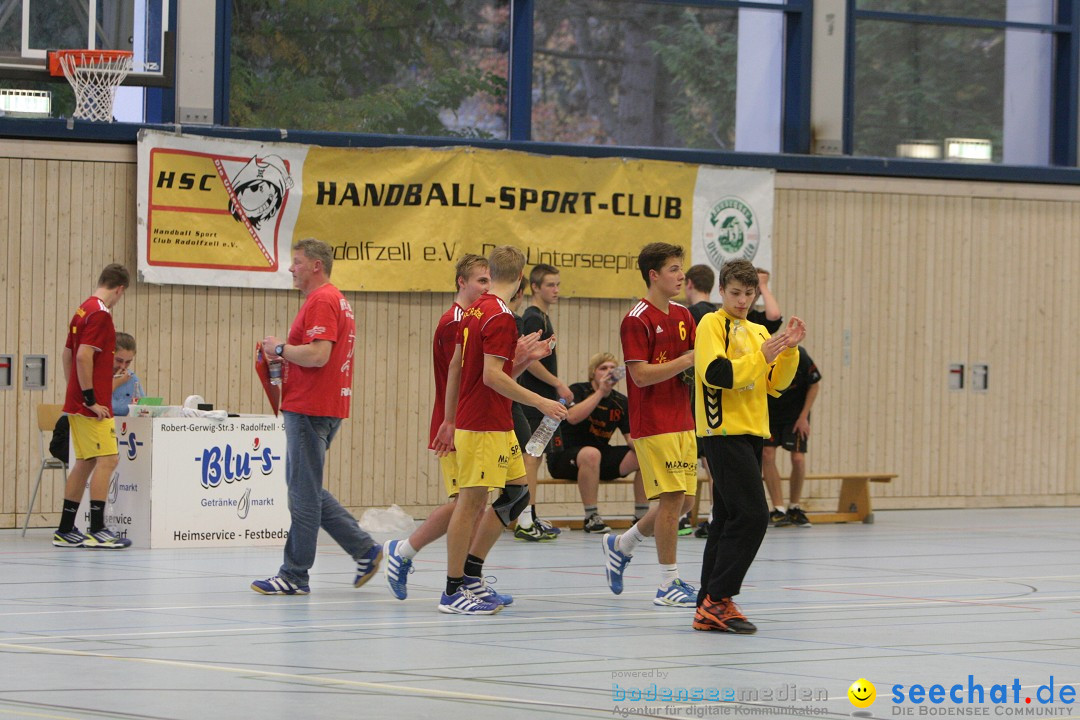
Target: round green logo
731, 232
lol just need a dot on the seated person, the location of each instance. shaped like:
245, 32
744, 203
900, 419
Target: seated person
586, 457
126, 386
126, 391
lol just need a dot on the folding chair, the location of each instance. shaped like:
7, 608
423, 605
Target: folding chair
47, 415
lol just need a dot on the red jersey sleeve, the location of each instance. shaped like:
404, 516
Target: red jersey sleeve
320, 322
96, 330
500, 335
634, 334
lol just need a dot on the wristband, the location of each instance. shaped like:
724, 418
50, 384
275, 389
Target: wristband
89, 398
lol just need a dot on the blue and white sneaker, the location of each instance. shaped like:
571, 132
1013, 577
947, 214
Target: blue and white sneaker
105, 539
676, 594
71, 538
367, 565
278, 585
463, 602
397, 570
614, 563
481, 588
548, 528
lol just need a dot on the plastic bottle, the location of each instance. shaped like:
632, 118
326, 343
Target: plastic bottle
274, 370
616, 374
544, 432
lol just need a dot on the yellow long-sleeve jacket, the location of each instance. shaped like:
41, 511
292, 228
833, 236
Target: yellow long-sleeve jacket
732, 377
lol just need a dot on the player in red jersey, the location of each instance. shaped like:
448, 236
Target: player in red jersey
479, 392
88, 368
658, 343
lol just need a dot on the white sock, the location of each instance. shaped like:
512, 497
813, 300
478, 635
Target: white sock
406, 550
629, 540
668, 575
525, 519
780, 508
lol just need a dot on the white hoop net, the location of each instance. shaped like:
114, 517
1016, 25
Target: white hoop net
95, 80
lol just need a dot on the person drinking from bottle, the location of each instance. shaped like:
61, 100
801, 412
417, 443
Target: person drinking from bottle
658, 346
587, 455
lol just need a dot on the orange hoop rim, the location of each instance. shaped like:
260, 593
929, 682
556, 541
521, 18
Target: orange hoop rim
84, 57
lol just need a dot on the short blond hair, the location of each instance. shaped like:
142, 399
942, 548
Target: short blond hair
465, 266
506, 263
599, 359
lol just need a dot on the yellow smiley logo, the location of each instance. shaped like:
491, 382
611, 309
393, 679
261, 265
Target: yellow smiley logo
862, 693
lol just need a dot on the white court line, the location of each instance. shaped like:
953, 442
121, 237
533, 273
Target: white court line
404, 690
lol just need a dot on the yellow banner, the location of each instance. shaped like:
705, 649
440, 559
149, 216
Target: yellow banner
227, 212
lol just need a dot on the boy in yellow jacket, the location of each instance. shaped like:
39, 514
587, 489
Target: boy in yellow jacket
737, 366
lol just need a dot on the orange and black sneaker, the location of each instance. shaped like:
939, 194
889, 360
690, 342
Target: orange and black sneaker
723, 616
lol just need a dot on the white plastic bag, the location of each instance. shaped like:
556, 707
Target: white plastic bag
392, 520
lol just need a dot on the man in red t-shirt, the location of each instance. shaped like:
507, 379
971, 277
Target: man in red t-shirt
658, 343
316, 391
479, 390
472, 280
88, 369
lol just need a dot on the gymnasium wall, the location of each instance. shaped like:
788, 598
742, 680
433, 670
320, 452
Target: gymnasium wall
895, 278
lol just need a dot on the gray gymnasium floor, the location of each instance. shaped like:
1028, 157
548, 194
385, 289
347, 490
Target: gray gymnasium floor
920, 597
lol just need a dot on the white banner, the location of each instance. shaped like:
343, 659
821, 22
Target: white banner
733, 217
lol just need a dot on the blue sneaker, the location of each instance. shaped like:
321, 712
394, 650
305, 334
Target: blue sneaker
397, 570
676, 594
104, 539
548, 527
367, 565
614, 563
71, 538
278, 585
463, 602
481, 588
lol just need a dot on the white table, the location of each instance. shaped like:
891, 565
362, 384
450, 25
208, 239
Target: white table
191, 482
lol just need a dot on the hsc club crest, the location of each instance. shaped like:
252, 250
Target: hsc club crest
731, 232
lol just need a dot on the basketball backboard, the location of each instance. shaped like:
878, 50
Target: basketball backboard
30, 28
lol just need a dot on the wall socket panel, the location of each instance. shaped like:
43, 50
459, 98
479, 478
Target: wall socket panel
196, 116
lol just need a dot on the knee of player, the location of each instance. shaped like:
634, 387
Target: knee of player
798, 460
588, 457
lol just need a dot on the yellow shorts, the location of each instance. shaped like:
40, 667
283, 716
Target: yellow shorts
448, 463
487, 459
668, 463
92, 437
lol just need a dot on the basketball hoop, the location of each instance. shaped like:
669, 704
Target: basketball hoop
95, 75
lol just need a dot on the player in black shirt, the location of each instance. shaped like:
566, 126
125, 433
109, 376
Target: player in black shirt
586, 454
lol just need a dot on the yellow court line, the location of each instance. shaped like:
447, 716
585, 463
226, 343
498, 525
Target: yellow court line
27, 713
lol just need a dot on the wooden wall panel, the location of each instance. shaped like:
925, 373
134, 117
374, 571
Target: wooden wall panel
896, 279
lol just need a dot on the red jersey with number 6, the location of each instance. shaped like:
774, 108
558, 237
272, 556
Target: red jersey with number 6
652, 336
487, 328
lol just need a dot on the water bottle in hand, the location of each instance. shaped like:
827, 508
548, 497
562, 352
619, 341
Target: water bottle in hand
616, 374
274, 371
544, 432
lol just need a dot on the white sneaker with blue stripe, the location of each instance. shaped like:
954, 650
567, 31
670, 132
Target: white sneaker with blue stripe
677, 594
481, 588
367, 565
278, 585
615, 563
397, 570
463, 602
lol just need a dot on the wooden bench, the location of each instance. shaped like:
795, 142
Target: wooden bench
854, 503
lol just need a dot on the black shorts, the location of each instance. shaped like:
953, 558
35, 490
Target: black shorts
563, 465
522, 429
532, 418
783, 435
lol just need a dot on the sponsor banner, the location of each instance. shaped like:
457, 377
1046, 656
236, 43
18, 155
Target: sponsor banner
218, 484
127, 506
733, 217
226, 212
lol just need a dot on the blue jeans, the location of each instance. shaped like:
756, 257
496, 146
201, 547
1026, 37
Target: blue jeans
310, 504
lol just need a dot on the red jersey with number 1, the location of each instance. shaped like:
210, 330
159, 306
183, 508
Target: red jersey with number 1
442, 351
650, 335
91, 325
487, 328
325, 391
